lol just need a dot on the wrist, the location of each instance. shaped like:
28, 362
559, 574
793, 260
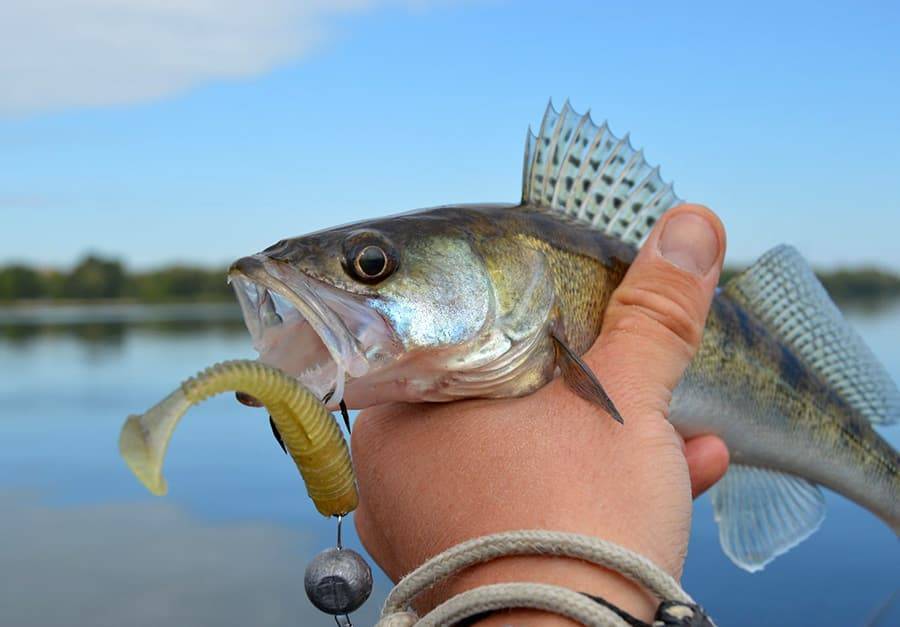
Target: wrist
561, 571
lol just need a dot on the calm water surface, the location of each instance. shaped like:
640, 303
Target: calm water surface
82, 543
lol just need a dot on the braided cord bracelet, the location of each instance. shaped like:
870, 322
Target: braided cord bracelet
677, 607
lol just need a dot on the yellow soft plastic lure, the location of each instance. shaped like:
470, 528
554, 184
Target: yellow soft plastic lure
309, 431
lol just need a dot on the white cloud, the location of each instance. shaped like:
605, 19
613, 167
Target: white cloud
64, 53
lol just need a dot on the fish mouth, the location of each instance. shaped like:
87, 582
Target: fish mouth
311, 330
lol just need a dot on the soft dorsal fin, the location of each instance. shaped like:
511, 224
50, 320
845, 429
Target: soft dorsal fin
584, 171
782, 291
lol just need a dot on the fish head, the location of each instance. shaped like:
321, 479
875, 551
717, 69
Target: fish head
371, 312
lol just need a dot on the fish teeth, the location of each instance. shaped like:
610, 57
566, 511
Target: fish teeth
315, 369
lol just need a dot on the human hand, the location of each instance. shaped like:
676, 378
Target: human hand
433, 475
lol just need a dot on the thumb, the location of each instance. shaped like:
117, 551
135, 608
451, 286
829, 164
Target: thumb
655, 318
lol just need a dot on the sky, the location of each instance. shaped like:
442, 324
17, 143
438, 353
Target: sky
202, 130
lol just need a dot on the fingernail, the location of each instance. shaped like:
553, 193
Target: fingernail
689, 242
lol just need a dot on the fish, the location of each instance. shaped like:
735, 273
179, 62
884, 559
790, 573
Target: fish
495, 300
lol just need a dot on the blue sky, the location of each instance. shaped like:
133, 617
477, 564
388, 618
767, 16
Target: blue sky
204, 130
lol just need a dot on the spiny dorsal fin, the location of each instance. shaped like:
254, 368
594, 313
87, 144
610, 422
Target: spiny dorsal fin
584, 171
783, 292
763, 513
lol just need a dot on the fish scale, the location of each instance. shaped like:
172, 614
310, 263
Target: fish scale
583, 287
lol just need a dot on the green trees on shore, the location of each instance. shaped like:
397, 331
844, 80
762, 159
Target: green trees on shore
98, 278
859, 286
22, 282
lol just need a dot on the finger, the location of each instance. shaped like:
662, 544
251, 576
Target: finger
707, 460
654, 321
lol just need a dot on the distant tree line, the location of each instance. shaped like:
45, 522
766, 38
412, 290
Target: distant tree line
850, 286
98, 278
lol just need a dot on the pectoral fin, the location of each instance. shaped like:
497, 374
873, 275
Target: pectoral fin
580, 378
251, 401
345, 415
277, 435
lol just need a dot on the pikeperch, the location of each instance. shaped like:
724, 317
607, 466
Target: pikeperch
490, 300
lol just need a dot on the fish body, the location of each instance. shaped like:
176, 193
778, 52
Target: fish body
492, 300
773, 412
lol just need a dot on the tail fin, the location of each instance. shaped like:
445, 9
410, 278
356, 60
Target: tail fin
763, 513
783, 291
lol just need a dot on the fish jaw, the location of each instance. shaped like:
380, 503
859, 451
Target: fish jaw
313, 331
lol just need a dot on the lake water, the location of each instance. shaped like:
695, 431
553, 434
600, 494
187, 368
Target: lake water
82, 543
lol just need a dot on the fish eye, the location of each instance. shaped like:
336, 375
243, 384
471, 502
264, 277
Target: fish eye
369, 257
371, 262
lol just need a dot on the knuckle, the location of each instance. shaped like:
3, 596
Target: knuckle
670, 312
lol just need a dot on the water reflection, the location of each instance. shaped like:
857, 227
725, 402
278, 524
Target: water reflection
83, 543
149, 564
108, 324
886, 614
